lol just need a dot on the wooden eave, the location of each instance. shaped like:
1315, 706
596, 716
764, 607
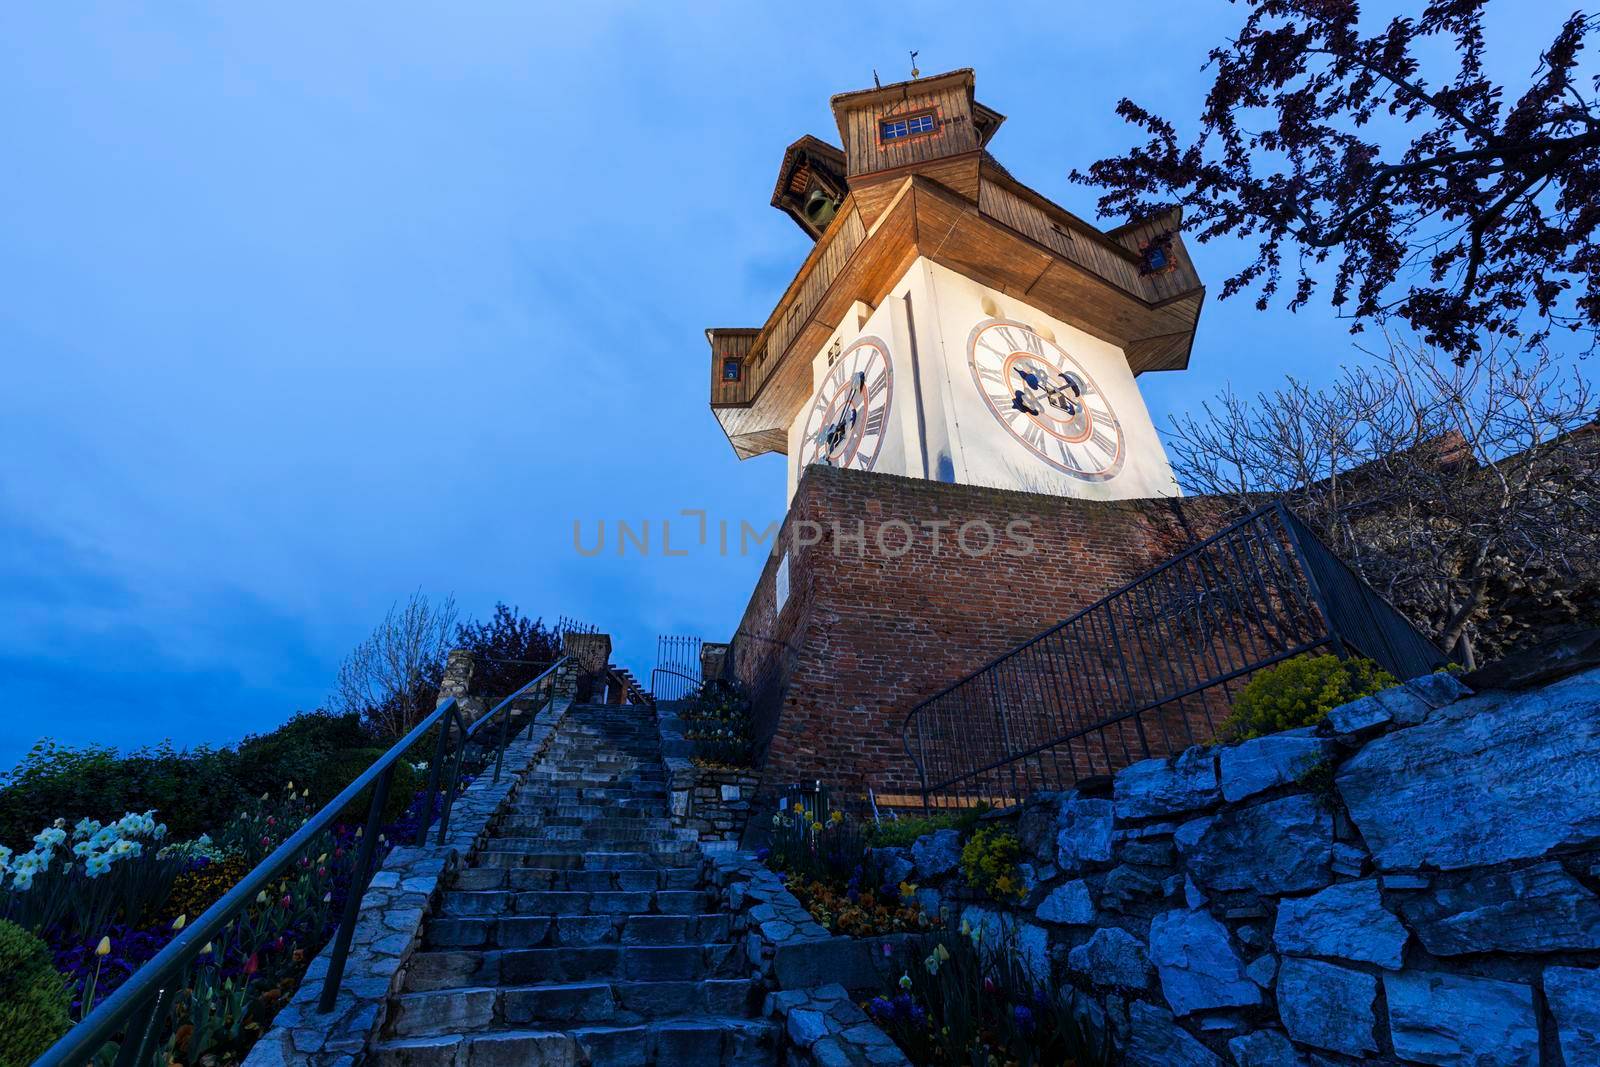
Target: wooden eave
1002, 234
861, 98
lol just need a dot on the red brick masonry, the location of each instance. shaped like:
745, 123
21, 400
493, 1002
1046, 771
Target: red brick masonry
892, 596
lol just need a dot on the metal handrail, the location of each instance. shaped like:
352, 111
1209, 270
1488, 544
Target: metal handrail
694, 683
1256, 592
138, 1007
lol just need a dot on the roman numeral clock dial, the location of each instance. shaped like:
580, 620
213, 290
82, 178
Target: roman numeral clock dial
849, 415
1045, 400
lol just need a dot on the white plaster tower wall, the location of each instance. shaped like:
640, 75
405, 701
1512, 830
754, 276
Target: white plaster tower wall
982, 389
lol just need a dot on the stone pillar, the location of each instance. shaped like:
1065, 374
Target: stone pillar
713, 659
565, 684
457, 675
457, 684
592, 651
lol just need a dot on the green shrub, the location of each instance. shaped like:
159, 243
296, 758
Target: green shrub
342, 768
193, 790
1300, 692
297, 750
900, 833
33, 997
989, 862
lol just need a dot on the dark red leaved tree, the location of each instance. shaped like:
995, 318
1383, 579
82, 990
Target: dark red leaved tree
1443, 197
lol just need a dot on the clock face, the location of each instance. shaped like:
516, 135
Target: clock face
849, 416
1045, 400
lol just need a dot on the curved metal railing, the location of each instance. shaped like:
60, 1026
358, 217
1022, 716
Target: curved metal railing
667, 683
137, 1011
1150, 668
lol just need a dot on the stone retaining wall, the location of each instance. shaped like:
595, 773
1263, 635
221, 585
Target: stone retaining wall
714, 802
810, 974
1412, 882
402, 892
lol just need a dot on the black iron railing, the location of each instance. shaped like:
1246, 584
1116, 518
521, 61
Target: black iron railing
668, 683
1151, 668
136, 1020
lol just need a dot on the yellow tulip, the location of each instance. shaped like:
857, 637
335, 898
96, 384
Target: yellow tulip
104, 947
177, 924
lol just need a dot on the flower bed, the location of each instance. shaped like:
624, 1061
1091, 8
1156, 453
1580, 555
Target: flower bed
829, 867
968, 1002
106, 898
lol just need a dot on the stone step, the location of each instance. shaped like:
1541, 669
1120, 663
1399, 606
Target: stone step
529, 825
584, 854
562, 809
477, 879
486, 932
598, 835
695, 1042
575, 902
434, 971
622, 1002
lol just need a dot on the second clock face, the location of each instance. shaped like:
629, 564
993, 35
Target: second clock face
1046, 400
849, 415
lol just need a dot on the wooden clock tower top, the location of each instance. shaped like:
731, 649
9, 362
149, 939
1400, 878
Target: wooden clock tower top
915, 179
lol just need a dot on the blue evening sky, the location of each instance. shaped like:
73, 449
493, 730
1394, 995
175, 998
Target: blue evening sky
306, 306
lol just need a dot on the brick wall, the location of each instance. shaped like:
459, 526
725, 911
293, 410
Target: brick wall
885, 606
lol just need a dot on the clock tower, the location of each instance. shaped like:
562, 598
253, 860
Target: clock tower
953, 376
950, 323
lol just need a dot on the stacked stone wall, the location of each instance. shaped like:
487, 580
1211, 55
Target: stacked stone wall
1414, 882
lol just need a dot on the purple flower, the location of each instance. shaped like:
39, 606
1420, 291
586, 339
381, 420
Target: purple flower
1023, 1018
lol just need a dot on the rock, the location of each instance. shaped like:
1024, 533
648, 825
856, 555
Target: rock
1198, 967
1536, 909
1085, 834
1452, 1019
894, 865
1282, 846
1112, 957
1405, 881
1036, 827
937, 853
1485, 780
1069, 904
1147, 853
1345, 921
1002, 931
1268, 762
1348, 860
1263, 969
1328, 1006
1265, 1048
929, 901
807, 1026
1191, 893
1164, 787
1574, 997
1124, 885
1358, 717
1158, 1039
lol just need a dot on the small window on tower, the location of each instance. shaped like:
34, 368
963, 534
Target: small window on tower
904, 126
732, 370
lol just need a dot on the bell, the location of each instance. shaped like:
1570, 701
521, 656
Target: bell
820, 208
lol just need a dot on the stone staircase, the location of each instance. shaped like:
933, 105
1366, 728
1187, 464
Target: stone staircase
584, 932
